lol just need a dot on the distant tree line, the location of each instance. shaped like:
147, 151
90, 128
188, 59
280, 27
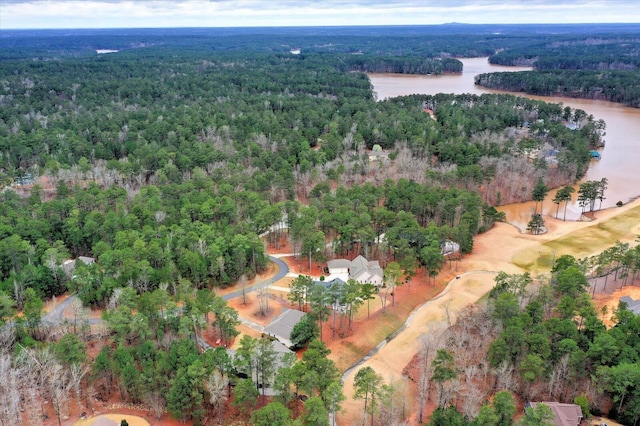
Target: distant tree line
621, 86
401, 65
587, 66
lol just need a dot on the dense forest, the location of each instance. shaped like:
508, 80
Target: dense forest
538, 339
277, 119
178, 161
621, 86
598, 67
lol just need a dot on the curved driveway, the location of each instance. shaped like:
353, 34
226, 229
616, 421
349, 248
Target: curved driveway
283, 270
56, 315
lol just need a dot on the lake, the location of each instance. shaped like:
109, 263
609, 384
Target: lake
620, 162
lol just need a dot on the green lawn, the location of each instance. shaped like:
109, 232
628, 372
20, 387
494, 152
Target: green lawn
582, 243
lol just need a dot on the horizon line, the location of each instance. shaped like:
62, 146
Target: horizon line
316, 26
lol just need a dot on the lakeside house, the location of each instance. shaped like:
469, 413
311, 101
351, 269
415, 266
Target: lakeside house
551, 155
328, 284
430, 112
564, 414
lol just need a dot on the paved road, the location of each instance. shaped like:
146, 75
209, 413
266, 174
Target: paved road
283, 270
56, 315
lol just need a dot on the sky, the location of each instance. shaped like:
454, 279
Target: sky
31, 14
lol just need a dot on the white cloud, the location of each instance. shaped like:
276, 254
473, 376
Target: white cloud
224, 13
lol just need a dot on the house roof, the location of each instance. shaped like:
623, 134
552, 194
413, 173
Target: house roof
338, 264
359, 262
564, 414
367, 276
632, 305
280, 348
282, 326
86, 260
363, 270
449, 247
360, 269
326, 284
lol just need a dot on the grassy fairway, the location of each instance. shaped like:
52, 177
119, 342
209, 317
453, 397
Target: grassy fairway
584, 242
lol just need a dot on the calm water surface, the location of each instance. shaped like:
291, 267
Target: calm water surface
620, 162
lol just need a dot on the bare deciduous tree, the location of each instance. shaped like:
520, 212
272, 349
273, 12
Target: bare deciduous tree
263, 299
473, 390
58, 384
76, 374
216, 385
156, 402
10, 383
558, 376
429, 344
505, 377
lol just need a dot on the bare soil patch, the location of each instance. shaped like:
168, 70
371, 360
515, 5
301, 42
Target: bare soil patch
610, 300
251, 309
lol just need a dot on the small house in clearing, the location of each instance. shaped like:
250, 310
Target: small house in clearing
282, 326
68, 266
449, 248
564, 414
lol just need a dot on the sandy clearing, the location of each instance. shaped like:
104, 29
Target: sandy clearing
611, 301
132, 420
493, 251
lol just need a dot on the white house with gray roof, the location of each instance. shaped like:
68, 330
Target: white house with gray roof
359, 269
